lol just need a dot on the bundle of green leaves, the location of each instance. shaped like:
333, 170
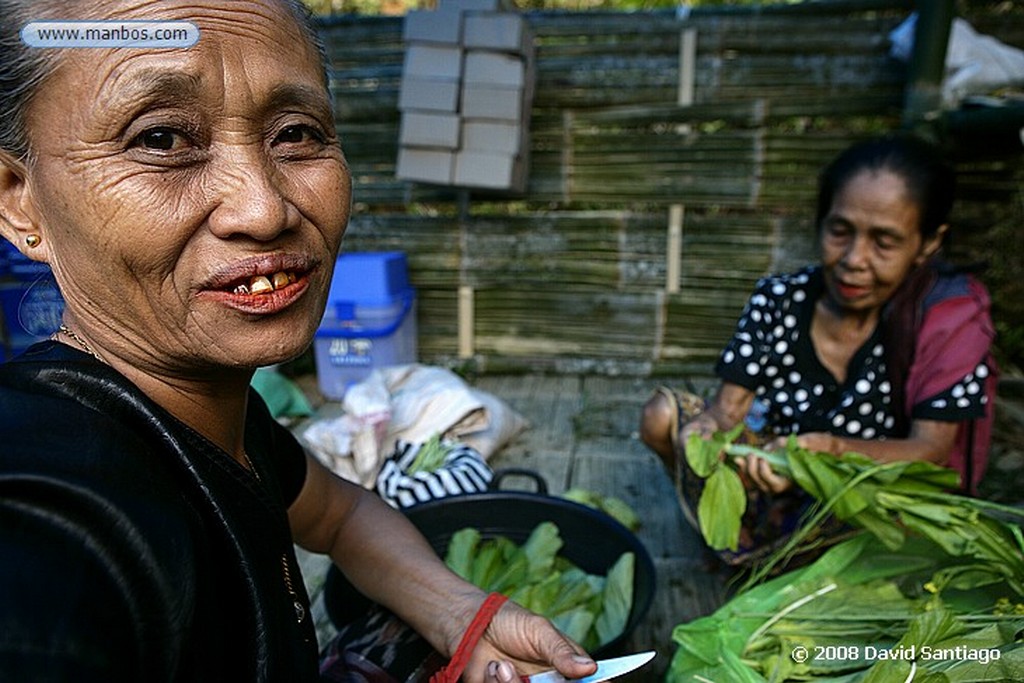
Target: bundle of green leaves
592, 610
889, 500
933, 592
861, 613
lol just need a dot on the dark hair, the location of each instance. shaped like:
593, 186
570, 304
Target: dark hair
930, 179
931, 184
24, 69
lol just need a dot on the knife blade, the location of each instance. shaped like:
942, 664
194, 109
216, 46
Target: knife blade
606, 669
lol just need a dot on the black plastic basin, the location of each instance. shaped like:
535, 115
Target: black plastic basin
593, 541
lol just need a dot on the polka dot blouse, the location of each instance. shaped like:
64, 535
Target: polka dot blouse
771, 354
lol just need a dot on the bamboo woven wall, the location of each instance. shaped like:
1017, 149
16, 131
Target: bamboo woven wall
575, 275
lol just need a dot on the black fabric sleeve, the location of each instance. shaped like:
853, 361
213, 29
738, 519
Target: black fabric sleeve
291, 463
96, 557
65, 616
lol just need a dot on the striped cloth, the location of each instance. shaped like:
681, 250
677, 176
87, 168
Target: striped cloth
463, 471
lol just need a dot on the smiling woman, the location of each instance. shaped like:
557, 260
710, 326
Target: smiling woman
191, 203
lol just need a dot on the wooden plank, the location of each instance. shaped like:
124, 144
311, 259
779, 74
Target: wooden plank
549, 403
564, 322
640, 480
612, 406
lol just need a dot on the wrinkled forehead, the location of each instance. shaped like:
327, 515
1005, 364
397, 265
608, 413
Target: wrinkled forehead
244, 49
258, 35
228, 15
225, 13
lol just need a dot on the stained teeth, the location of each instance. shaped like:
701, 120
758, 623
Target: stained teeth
260, 285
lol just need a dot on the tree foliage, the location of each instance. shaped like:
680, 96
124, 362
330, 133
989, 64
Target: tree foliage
399, 7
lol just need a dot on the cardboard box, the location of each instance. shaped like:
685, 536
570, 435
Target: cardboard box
429, 94
479, 101
500, 31
433, 26
489, 170
424, 129
432, 61
491, 136
426, 165
494, 68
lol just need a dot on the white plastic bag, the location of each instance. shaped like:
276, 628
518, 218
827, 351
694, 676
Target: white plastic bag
410, 404
976, 64
428, 400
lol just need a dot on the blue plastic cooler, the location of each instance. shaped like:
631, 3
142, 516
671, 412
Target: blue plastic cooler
369, 323
32, 304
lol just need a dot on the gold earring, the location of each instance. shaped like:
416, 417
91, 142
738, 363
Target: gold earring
33, 241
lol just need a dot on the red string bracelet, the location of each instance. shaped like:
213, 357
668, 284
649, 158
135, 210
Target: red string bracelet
459, 660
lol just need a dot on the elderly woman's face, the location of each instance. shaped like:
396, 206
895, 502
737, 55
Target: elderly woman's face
192, 200
871, 240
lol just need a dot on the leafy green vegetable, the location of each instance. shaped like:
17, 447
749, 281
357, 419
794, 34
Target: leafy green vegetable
614, 507
886, 499
618, 599
576, 588
865, 601
721, 507
540, 550
575, 623
937, 572
593, 610
704, 455
461, 549
487, 564
430, 456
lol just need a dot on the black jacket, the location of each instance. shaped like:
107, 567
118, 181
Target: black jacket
132, 548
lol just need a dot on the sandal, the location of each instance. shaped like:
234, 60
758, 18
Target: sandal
686, 406
675, 423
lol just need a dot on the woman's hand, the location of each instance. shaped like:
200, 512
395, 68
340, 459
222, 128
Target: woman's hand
730, 406
518, 642
759, 472
703, 425
819, 442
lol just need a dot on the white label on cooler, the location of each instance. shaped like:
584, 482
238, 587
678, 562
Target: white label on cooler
348, 352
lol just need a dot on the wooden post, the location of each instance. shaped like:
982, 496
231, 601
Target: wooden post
687, 66
927, 68
466, 313
674, 249
567, 158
